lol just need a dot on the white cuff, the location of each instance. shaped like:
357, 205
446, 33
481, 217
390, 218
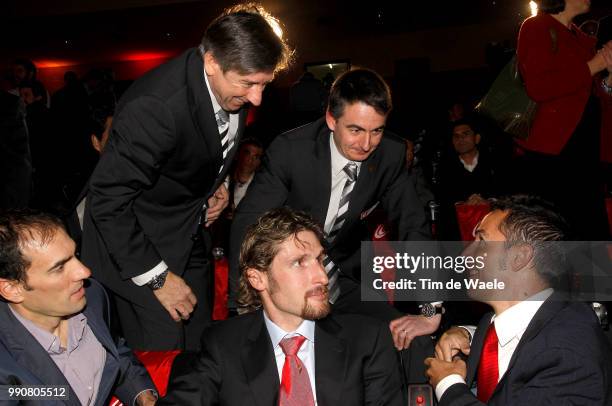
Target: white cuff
147, 277
471, 331
143, 391
446, 383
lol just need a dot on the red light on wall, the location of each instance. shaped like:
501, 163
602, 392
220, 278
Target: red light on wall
53, 63
143, 56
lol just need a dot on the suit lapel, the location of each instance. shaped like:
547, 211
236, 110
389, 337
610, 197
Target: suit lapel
30, 354
476, 348
111, 365
321, 170
330, 362
259, 364
201, 107
547, 311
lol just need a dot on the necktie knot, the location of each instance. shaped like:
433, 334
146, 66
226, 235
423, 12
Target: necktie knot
222, 118
351, 171
291, 345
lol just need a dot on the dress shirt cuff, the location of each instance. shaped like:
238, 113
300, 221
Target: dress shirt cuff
446, 383
471, 331
147, 277
143, 391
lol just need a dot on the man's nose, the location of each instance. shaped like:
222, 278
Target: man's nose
254, 95
366, 142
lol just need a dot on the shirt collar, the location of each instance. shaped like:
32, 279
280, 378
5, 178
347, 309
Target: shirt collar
470, 167
338, 161
514, 321
215, 104
306, 329
50, 342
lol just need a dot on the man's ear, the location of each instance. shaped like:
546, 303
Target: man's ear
331, 121
95, 142
11, 290
477, 139
210, 64
257, 279
521, 256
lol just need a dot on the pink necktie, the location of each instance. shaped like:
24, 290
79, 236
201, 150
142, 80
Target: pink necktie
295, 389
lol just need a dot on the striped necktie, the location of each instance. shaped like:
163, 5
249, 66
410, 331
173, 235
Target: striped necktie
226, 144
333, 271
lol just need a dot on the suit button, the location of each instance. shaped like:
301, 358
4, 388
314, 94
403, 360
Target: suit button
195, 237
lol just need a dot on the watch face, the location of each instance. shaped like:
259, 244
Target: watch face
428, 310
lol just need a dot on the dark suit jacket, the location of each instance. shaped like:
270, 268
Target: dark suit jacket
562, 359
297, 173
23, 361
158, 169
355, 364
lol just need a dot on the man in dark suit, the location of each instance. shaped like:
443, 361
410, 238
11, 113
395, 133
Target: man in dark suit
15, 158
537, 348
310, 168
55, 321
291, 352
161, 178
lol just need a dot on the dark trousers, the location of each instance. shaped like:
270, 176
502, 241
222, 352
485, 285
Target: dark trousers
412, 359
154, 329
572, 180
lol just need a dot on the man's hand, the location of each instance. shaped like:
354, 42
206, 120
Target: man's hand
146, 398
406, 328
216, 204
438, 369
176, 297
453, 341
475, 199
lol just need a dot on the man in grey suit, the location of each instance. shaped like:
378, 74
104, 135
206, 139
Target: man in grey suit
55, 322
160, 180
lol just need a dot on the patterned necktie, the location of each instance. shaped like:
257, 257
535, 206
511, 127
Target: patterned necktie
295, 389
332, 269
226, 144
222, 118
488, 367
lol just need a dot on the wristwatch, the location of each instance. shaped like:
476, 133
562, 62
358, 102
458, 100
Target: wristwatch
158, 281
429, 309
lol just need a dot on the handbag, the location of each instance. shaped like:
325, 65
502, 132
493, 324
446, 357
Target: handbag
507, 102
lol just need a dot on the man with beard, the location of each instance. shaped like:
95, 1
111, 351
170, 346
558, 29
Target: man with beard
289, 350
536, 347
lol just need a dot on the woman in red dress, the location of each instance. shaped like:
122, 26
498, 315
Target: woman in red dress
562, 72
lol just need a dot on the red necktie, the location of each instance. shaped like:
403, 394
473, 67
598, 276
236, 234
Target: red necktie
488, 367
295, 389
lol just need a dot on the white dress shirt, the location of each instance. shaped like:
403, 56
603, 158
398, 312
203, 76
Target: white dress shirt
472, 166
510, 326
146, 277
240, 190
306, 354
338, 179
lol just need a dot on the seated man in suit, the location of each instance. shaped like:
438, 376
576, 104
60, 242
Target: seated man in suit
338, 169
291, 352
537, 348
54, 327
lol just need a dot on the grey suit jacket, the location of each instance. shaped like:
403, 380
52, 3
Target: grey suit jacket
23, 361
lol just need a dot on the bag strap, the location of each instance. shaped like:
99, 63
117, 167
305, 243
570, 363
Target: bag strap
553, 37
